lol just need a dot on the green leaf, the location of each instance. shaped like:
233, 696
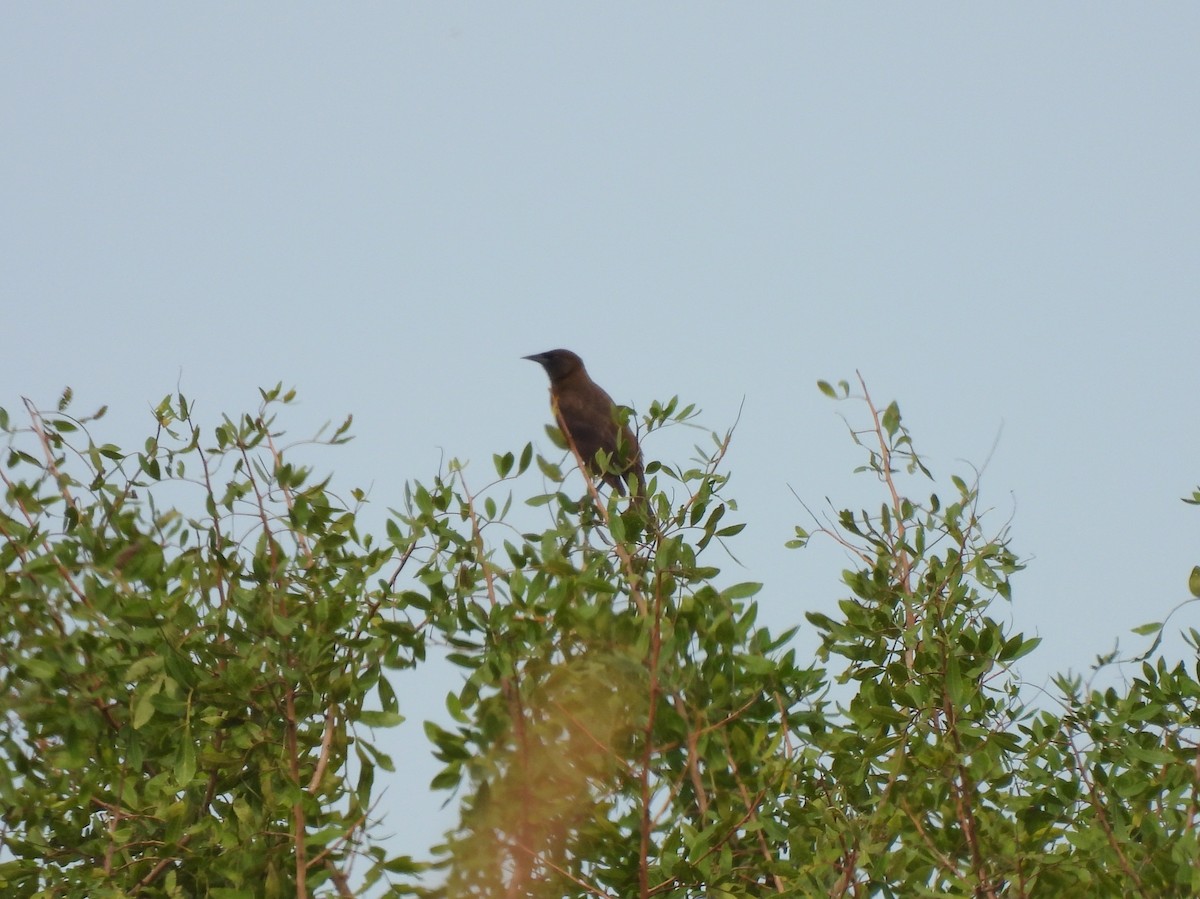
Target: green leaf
1017, 646
185, 764
454, 706
382, 759
550, 470
142, 667
366, 782
149, 464
891, 419
143, 710
448, 779
1194, 581
503, 464
387, 695
380, 719
40, 668
741, 591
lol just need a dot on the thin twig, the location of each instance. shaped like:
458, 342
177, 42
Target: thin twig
583, 884
477, 539
635, 591
326, 749
299, 829
752, 813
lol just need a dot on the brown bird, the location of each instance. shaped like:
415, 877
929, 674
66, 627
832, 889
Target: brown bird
589, 416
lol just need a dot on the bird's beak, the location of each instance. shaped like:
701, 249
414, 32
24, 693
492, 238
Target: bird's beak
536, 357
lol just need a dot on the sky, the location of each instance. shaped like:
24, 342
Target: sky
990, 211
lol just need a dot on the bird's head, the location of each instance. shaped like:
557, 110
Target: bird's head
558, 364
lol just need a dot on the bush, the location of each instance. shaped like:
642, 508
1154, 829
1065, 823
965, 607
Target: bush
189, 694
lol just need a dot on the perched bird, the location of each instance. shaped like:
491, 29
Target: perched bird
589, 417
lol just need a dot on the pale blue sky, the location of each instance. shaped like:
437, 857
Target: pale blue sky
992, 211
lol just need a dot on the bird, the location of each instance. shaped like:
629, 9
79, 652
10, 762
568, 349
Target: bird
589, 417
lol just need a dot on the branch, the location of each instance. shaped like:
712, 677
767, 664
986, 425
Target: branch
477, 540
903, 560
635, 591
299, 829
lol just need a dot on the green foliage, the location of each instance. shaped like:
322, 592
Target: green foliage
188, 694
619, 722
